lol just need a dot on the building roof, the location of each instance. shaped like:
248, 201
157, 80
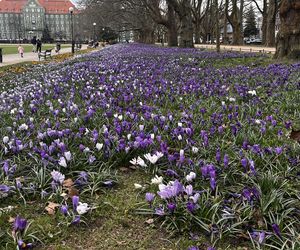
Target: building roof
50, 6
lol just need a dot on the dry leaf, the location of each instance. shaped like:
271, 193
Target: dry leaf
11, 219
73, 191
51, 208
149, 221
295, 135
68, 183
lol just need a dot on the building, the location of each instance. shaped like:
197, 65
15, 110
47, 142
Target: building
24, 19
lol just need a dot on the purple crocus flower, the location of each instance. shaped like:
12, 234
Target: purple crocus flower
193, 248
64, 210
75, 201
213, 183
244, 163
76, 220
226, 160
171, 207
252, 167
218, 156
191, 206
278, 150
19, 224
160, 211
149, 197
276, 229
4, 188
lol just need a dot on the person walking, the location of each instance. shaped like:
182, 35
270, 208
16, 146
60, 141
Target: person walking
33, 42
38, 45
21, 50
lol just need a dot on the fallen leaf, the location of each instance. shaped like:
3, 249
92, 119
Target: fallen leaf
68, 183
150, 221
295, 135
51, 208
11, 220
72, 191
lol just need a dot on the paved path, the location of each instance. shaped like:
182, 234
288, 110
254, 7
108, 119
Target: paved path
240, 48
30, 56
244, 48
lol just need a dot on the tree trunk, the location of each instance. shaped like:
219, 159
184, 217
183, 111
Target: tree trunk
288, 39
172, 27
217, 26
225, 36
147, 36
264, 28
197, 33
271, 19
183, 9
235, 21
186, 32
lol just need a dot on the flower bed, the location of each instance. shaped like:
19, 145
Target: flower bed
218, 139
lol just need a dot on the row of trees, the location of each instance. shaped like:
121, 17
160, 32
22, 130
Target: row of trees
186, 21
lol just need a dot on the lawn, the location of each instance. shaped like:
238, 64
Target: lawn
141, 147
13, 48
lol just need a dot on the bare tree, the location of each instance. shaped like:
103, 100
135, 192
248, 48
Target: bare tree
199, 9
234, 19
288, 39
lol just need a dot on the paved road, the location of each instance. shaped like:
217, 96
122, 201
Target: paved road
30, 56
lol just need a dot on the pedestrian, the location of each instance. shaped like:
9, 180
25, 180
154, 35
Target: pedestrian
21, 50
57, 48
38, 45
33, 42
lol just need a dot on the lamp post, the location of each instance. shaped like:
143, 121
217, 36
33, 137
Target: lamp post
94, 35
71, 11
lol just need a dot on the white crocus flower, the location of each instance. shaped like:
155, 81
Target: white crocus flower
257, 121
134, 162
159, 155
5, 139
179, 137
23, 127
231, 99
157, 180
195, 150
179, 124
141, 127
68, 155
82, 208
191, 176
152, 158
252, 92
86, 150
99, 146
141, 162
62, 162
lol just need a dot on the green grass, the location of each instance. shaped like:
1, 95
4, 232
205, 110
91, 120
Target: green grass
13, 48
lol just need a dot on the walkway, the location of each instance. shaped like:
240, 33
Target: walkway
29, 57
243, 48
